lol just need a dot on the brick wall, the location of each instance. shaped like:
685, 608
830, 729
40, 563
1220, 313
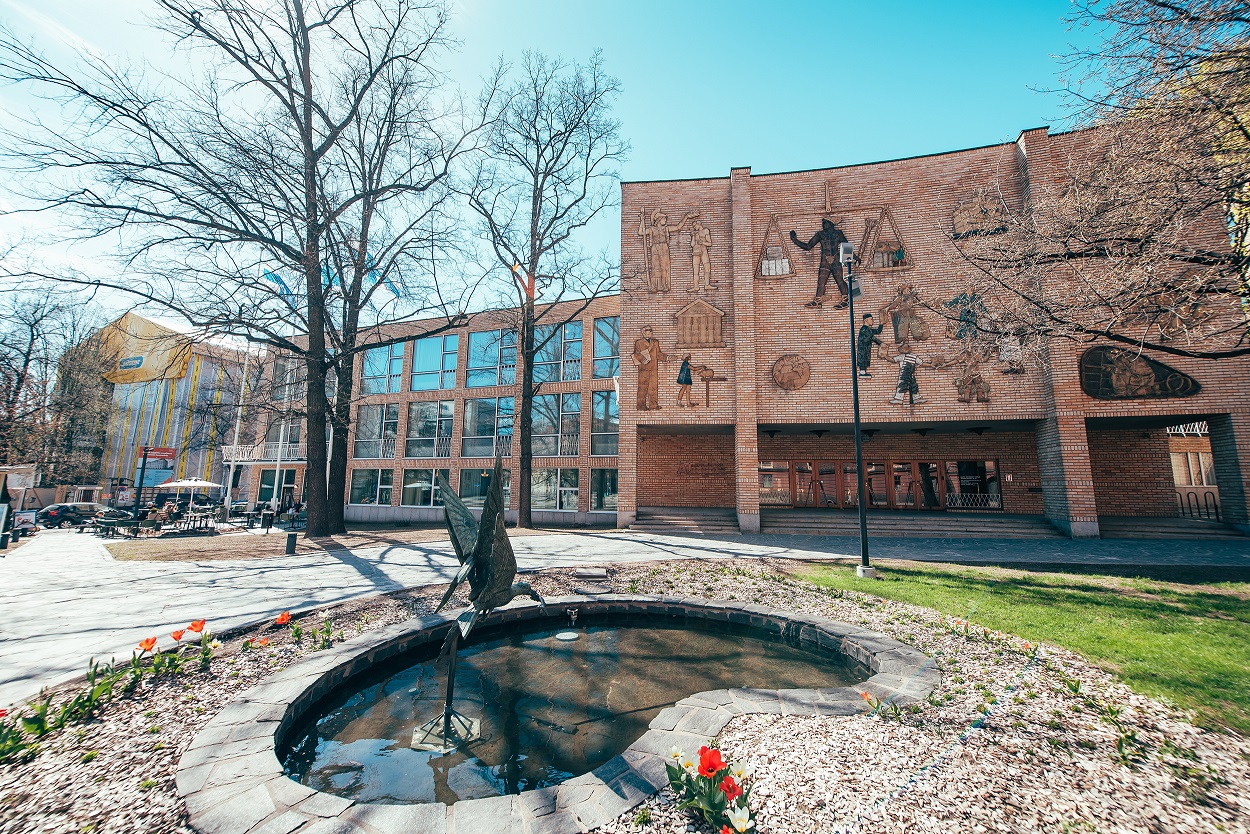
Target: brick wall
686, 470
1132, 473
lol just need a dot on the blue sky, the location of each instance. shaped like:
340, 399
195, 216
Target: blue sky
712, 85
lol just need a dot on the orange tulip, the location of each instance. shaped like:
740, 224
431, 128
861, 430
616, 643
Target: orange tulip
262, 642
177, 635
865, 695
283, 618
196, 626
147, 645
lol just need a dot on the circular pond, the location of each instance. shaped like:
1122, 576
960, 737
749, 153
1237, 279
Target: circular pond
550, 707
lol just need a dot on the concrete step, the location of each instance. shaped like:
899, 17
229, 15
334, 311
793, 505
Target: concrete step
1122, 527
687, 520
907, 524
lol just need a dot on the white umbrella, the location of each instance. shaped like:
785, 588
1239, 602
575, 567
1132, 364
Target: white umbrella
191, 483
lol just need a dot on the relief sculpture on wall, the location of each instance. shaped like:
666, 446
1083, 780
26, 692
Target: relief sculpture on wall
1111, 373
647, 356
907, 389
699, 325
903, 314
687, 374
791, 372
701, 263
657, 255
827, 238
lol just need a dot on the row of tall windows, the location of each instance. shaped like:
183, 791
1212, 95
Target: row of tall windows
550, 488
487, 427
492, 358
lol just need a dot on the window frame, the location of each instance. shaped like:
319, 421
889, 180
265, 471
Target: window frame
607, 396
384, 479
444, 376
444, 421
504, 373
502, 420
436, 499
385, 410
393, 377
606, 365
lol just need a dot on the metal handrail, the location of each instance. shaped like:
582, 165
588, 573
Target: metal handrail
259, 452
1190, 506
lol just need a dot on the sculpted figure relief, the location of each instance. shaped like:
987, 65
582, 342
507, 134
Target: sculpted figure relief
647, 356
656, 238
700, 240
828, 239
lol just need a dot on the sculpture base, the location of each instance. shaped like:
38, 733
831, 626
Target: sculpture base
429, 737
864, 572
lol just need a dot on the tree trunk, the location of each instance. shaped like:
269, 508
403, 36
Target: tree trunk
524, 414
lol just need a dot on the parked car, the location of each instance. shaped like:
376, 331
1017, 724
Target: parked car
71, 515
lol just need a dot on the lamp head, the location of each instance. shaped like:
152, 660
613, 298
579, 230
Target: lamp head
846, 252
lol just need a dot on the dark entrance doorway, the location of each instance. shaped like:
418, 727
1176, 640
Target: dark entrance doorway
926, 485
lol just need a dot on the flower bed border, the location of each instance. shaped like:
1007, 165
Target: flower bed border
233, 783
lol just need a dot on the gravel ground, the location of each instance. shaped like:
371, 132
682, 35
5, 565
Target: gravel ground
1011, 741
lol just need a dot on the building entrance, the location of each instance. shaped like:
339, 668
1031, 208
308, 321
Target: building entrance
931, 485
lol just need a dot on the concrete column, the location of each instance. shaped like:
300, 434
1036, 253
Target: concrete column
746, 433
1230, 448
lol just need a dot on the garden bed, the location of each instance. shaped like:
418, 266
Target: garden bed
1011, 740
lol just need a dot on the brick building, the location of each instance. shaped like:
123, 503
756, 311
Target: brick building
724, 271
713, 382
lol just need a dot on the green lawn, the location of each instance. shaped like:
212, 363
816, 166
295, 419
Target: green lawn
1188, 644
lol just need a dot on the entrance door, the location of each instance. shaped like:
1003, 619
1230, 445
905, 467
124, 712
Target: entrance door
929, 480
804, 485
904, 485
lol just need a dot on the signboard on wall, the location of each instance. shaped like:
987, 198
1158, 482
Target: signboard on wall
144, 350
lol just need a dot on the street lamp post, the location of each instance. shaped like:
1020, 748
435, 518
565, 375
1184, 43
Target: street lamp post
846, 254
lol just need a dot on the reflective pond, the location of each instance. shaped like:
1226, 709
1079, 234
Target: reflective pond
549, 708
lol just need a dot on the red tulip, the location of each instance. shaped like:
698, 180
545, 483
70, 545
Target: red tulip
283, 618
147, 645
196, 626
730, 788
3, 713
177, 635
724, 829
710, 762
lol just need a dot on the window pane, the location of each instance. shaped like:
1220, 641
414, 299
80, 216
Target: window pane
603, 489
484, 349
425, 382
475, 483
607, 368
572, 330
543, 491
364, 486
545, 414
418, 488
547, 343
547, 373
376, 361
606, 416
478, 447
427, 354
603, 444
479, 418
480, 379
607, 337
385, 480
544, 445
369, 422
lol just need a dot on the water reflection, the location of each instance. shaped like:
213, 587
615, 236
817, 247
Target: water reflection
549, 709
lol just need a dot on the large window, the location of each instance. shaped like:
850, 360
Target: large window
421, 487
371, 486
973, 485
556, 428
475, 483
607, 347
288, 378
492, 358
554, 489
383, 369
603, 490
558, 352
604, 423
1193, 469
266, 485
434, 362
487, 428
376, 429
429, 429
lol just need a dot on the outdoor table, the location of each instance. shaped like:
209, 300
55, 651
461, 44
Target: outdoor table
251, 517
106, 526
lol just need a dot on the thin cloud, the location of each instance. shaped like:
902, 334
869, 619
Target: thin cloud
54, 28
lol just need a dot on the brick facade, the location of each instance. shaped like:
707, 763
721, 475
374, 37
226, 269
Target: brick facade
1071, 457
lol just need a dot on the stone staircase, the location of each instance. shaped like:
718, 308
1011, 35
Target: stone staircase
903, 524
1138, 527
710, 521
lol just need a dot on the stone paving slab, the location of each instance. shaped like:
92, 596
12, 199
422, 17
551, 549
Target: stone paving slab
236, 785
66, 600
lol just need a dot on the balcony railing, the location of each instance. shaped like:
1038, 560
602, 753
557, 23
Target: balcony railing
374, 449
262, 452
1198, 429
973, 501
428, 447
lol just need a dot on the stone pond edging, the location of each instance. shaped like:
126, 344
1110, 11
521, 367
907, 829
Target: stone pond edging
233, 783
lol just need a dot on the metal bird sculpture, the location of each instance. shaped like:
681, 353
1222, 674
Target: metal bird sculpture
485, 554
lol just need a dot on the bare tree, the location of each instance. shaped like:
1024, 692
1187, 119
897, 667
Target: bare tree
1132, 243
550, 168
53, 397
283, 188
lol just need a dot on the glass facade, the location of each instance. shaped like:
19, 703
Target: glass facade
382, 369
607, 349
556, 426
429, 429
376, 429
605, 423
421, 487
371, 486
487, 427
492, 358
558, 352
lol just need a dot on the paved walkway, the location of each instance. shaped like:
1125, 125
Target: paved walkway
64, 599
